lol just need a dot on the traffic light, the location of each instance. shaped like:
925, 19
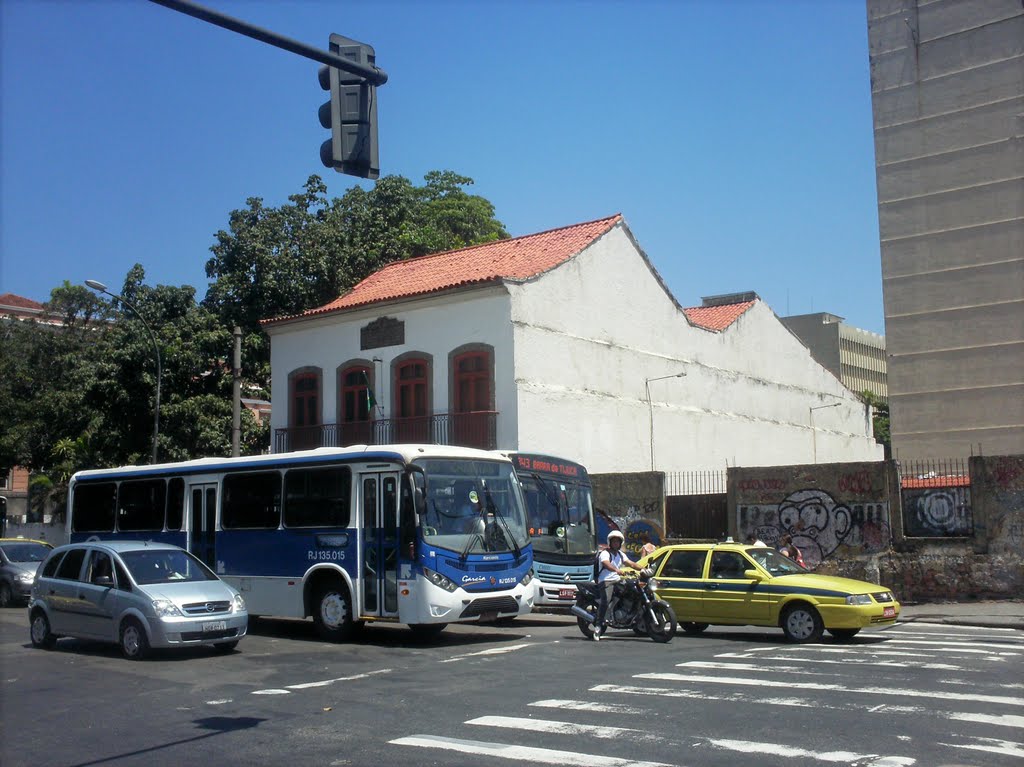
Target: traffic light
351, 114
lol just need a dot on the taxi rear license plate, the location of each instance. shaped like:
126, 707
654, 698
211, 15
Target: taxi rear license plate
566, 593
889, 612
214, 626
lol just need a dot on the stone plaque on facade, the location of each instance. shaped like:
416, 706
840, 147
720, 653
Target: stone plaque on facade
384, 331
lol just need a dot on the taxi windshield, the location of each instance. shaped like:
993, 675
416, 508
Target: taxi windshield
26, 552
774, 562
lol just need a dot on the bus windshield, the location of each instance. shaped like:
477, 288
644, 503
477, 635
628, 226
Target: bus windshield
560, 515
472, 506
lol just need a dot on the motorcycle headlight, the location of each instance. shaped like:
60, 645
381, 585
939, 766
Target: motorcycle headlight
239, 603
858, 599
439, 580
653, 584
165, 608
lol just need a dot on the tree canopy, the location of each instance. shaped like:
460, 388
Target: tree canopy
79, 392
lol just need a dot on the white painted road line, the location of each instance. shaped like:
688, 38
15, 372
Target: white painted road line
559, 728
521, 753
845, 662
492, 651
805, 662
1006, 720
583, 705
323, 683
789, 752
891, 691
992, 746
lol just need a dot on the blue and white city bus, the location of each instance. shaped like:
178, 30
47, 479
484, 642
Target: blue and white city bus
560, 521
418, 534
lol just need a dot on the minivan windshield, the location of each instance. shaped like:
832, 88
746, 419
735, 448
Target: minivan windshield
165, 566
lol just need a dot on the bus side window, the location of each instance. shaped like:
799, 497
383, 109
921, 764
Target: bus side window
407, 522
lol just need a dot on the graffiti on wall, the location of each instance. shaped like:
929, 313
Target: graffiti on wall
937, 512
634, 520
820, 525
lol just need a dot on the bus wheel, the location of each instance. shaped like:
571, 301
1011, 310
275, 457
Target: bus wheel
332, 615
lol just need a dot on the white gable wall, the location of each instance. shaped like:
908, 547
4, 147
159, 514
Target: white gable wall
589, 332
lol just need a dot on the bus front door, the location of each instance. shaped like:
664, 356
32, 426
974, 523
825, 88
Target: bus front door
202, 523
380, 545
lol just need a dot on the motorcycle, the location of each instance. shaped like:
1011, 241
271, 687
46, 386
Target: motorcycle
634, 605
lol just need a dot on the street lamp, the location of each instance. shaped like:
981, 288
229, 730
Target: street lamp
650, 407
100, 287
814, 435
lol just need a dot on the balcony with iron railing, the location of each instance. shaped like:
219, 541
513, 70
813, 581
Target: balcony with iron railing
477, 429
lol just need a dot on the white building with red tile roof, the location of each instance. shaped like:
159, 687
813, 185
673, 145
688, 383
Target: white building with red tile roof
566, 342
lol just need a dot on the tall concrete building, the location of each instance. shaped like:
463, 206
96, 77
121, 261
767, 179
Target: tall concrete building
854, 356
947, 84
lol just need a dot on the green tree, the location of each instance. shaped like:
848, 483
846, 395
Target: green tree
278, 261
880, 419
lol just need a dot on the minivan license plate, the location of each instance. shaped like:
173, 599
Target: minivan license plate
214, 626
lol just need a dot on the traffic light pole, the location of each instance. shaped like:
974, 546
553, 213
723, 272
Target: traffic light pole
373, 75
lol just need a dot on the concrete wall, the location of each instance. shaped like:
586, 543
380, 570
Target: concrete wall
635, 503
588, 334
947, 81
832, 511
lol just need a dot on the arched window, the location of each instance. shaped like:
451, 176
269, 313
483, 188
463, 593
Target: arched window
355, 410
304, 411
411, 410
472, 403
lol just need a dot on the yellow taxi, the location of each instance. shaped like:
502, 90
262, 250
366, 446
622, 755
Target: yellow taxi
739, 585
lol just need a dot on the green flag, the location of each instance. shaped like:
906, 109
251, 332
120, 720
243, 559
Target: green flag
371, 401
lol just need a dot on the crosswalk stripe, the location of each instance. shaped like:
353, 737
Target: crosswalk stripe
847, 661
584, 705
961, 646
801, 669
844, 757
521, 753
1005, 720
557, 727
892, 691
992, 746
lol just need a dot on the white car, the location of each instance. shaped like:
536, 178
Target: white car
138, 594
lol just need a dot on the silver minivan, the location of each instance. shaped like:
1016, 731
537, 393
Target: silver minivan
138, 594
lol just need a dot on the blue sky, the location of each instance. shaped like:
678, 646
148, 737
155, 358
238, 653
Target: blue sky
734, 136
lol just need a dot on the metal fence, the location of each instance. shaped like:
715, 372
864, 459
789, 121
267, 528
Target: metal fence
695, 504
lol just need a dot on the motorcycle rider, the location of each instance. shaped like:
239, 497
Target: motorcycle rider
610, 561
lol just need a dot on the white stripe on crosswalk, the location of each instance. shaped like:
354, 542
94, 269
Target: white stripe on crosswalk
847, 661
559, 728
583, 705
961, 646
946, 626
521, 753
790, 752
992, 746
892, 691
1006, 720
802, 669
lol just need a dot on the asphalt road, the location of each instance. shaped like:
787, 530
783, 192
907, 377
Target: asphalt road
531, 693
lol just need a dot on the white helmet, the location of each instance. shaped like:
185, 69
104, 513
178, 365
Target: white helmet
615, 534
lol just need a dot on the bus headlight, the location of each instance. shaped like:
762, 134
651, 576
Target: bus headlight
439, 580
527, 578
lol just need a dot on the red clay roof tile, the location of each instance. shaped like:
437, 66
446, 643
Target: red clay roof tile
716, 317
11, 299
515, 259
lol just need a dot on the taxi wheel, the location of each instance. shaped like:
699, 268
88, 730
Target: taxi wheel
844, 634
134, 644
801, 623
693, 628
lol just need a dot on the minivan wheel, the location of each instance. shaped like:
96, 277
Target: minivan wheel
40, 633
6, 595
134, 644
801, 623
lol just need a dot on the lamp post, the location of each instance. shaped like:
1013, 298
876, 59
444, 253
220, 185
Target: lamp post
814, 435
101, 288
650, 407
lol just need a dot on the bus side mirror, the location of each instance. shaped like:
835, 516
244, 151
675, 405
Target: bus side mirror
419, 502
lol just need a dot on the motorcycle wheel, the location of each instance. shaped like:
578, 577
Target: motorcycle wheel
661, 622
586, 628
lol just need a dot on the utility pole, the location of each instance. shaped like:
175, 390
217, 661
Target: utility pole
236, 395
